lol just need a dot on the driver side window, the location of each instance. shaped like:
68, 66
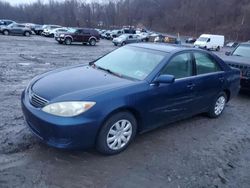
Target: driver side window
180, 66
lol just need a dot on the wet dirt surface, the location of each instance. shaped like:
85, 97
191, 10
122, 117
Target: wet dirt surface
197, 152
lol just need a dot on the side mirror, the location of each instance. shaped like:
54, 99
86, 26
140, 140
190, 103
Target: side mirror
165, 79
228, 53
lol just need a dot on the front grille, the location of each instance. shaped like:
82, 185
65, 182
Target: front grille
245, 70
37, 101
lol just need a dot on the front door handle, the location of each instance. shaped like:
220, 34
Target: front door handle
191, 86
222, 79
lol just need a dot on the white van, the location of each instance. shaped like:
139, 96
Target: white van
210, 42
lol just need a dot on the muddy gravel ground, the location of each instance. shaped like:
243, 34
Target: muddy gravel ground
197, 152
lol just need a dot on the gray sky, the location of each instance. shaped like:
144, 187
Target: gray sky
16, 2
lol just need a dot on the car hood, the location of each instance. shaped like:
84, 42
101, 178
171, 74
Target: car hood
200, 43
76, 83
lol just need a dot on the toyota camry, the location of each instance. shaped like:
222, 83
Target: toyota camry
131, 90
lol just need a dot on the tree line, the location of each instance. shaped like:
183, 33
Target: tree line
186, 17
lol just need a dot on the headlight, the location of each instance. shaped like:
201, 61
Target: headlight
62, 35
68, 109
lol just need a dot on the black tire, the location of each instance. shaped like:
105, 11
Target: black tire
212, 111
26, 33
102, 139
92, 42
60, 42
115, 44
6, 32
123, 43
68, 41
218, 49
40, 32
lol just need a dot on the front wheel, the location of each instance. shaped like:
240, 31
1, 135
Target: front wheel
68, 41
218, 105
92, 42
218, 49
117, 133
6, 32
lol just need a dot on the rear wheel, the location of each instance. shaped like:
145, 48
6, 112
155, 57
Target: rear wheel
218, 105
117, 133
6, 32
68, 41
218, 48
123, 43
92, 42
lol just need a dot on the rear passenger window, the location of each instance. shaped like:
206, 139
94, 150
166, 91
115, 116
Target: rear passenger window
180, 66
205, 64
86, 31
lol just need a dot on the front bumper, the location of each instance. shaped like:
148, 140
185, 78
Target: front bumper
71, 133
245, 83
117, 43
59, 39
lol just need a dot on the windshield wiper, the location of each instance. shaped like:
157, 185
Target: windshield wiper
107, 70
237, 55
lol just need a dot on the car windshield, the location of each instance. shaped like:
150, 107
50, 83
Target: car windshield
10, 25
202, 39
71, 30
131, 62
242, 50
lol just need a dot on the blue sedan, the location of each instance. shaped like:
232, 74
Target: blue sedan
131, 90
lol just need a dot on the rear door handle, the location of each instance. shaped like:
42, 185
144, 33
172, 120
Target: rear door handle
191, 86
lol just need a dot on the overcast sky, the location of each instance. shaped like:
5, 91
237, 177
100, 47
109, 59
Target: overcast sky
16, 2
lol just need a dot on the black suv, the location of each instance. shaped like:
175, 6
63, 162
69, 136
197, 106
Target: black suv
83, 35
240, 58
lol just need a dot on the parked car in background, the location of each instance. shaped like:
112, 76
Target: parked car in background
53, 32
129, 30
232, 44
116, 33
16, 29
39, 29
240, 58
106, 35
210, 42
143, 36
48, 29
131, 90
83, 35
191, 40
126, 39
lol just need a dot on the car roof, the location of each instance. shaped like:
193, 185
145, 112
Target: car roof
160, 47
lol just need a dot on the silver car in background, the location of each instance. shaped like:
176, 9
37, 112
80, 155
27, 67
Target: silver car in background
126, 39
16, 29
